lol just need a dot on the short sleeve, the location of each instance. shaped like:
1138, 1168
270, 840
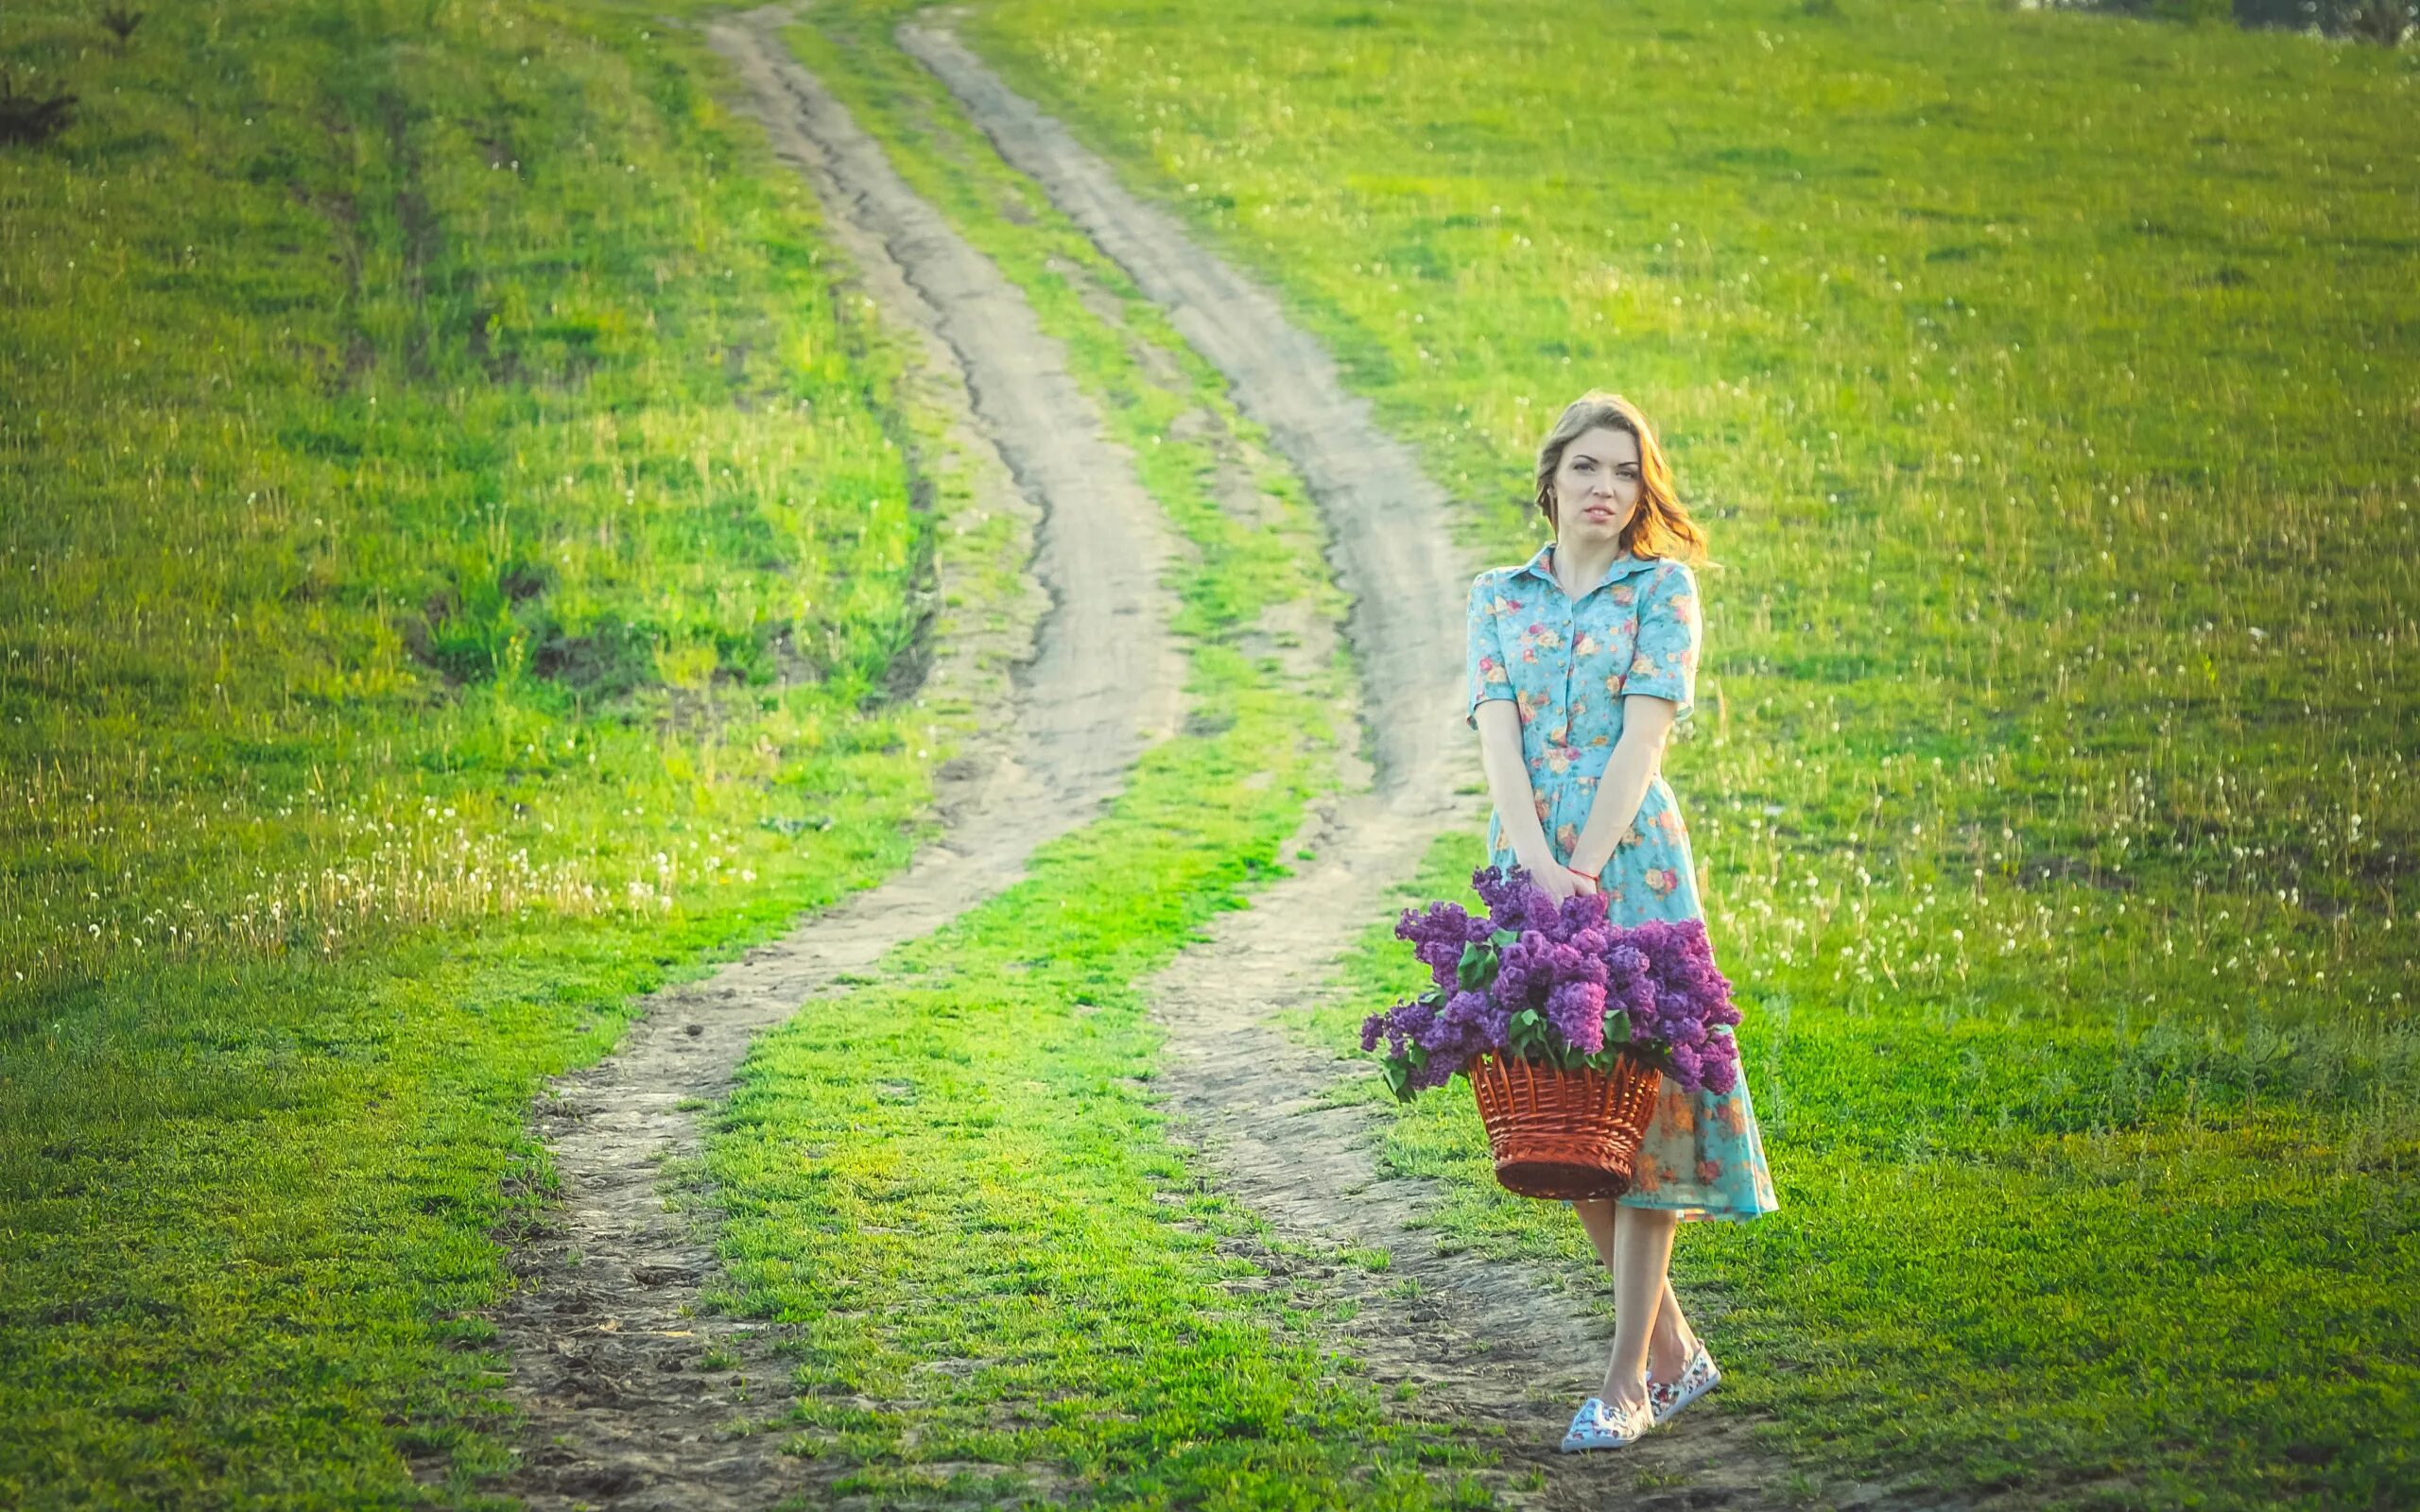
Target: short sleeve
1488, 675
1665, 665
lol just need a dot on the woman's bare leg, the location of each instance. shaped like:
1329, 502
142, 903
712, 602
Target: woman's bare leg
1670, 1341
1642, 1251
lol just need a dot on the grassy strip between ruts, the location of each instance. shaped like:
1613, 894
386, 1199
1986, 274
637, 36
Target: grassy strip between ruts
2074, 914
460, 545
998, 1278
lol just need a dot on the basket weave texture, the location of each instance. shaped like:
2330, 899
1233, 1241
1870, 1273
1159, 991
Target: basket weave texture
1563, 1135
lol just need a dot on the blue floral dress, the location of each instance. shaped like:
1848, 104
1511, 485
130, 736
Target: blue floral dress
1566, 666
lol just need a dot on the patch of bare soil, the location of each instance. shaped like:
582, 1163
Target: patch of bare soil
637, 1396
1498, 1351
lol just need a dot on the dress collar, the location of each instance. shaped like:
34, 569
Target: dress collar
1624, 565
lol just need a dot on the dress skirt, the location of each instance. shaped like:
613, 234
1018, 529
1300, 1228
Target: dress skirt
1702, 1153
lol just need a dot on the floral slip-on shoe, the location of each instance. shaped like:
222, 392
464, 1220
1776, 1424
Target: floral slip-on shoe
1695, 1378
1602, 1425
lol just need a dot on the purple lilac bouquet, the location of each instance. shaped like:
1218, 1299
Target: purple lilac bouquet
1558, 985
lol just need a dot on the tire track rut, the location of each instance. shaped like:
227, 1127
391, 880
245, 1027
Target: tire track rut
609, 1345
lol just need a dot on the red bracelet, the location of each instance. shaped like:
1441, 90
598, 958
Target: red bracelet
1577, 872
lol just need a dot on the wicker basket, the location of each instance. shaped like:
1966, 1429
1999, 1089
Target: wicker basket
1563, 1134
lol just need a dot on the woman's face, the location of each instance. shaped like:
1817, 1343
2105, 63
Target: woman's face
1596, 486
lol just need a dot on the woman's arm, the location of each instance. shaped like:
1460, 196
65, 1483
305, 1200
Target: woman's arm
1516, 802
1659, 689
1622, 786
1497, 717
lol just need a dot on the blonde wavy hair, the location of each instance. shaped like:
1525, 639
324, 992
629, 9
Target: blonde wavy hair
1660, 527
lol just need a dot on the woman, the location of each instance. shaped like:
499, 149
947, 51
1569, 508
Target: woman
1582, 660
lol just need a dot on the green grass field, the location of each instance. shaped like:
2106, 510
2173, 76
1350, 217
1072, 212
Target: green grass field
461, 560
458, 551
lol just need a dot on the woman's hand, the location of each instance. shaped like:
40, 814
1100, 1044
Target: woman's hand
1560, 881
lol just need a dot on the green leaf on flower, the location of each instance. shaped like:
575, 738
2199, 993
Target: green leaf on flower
1476, 968
1526, 1034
